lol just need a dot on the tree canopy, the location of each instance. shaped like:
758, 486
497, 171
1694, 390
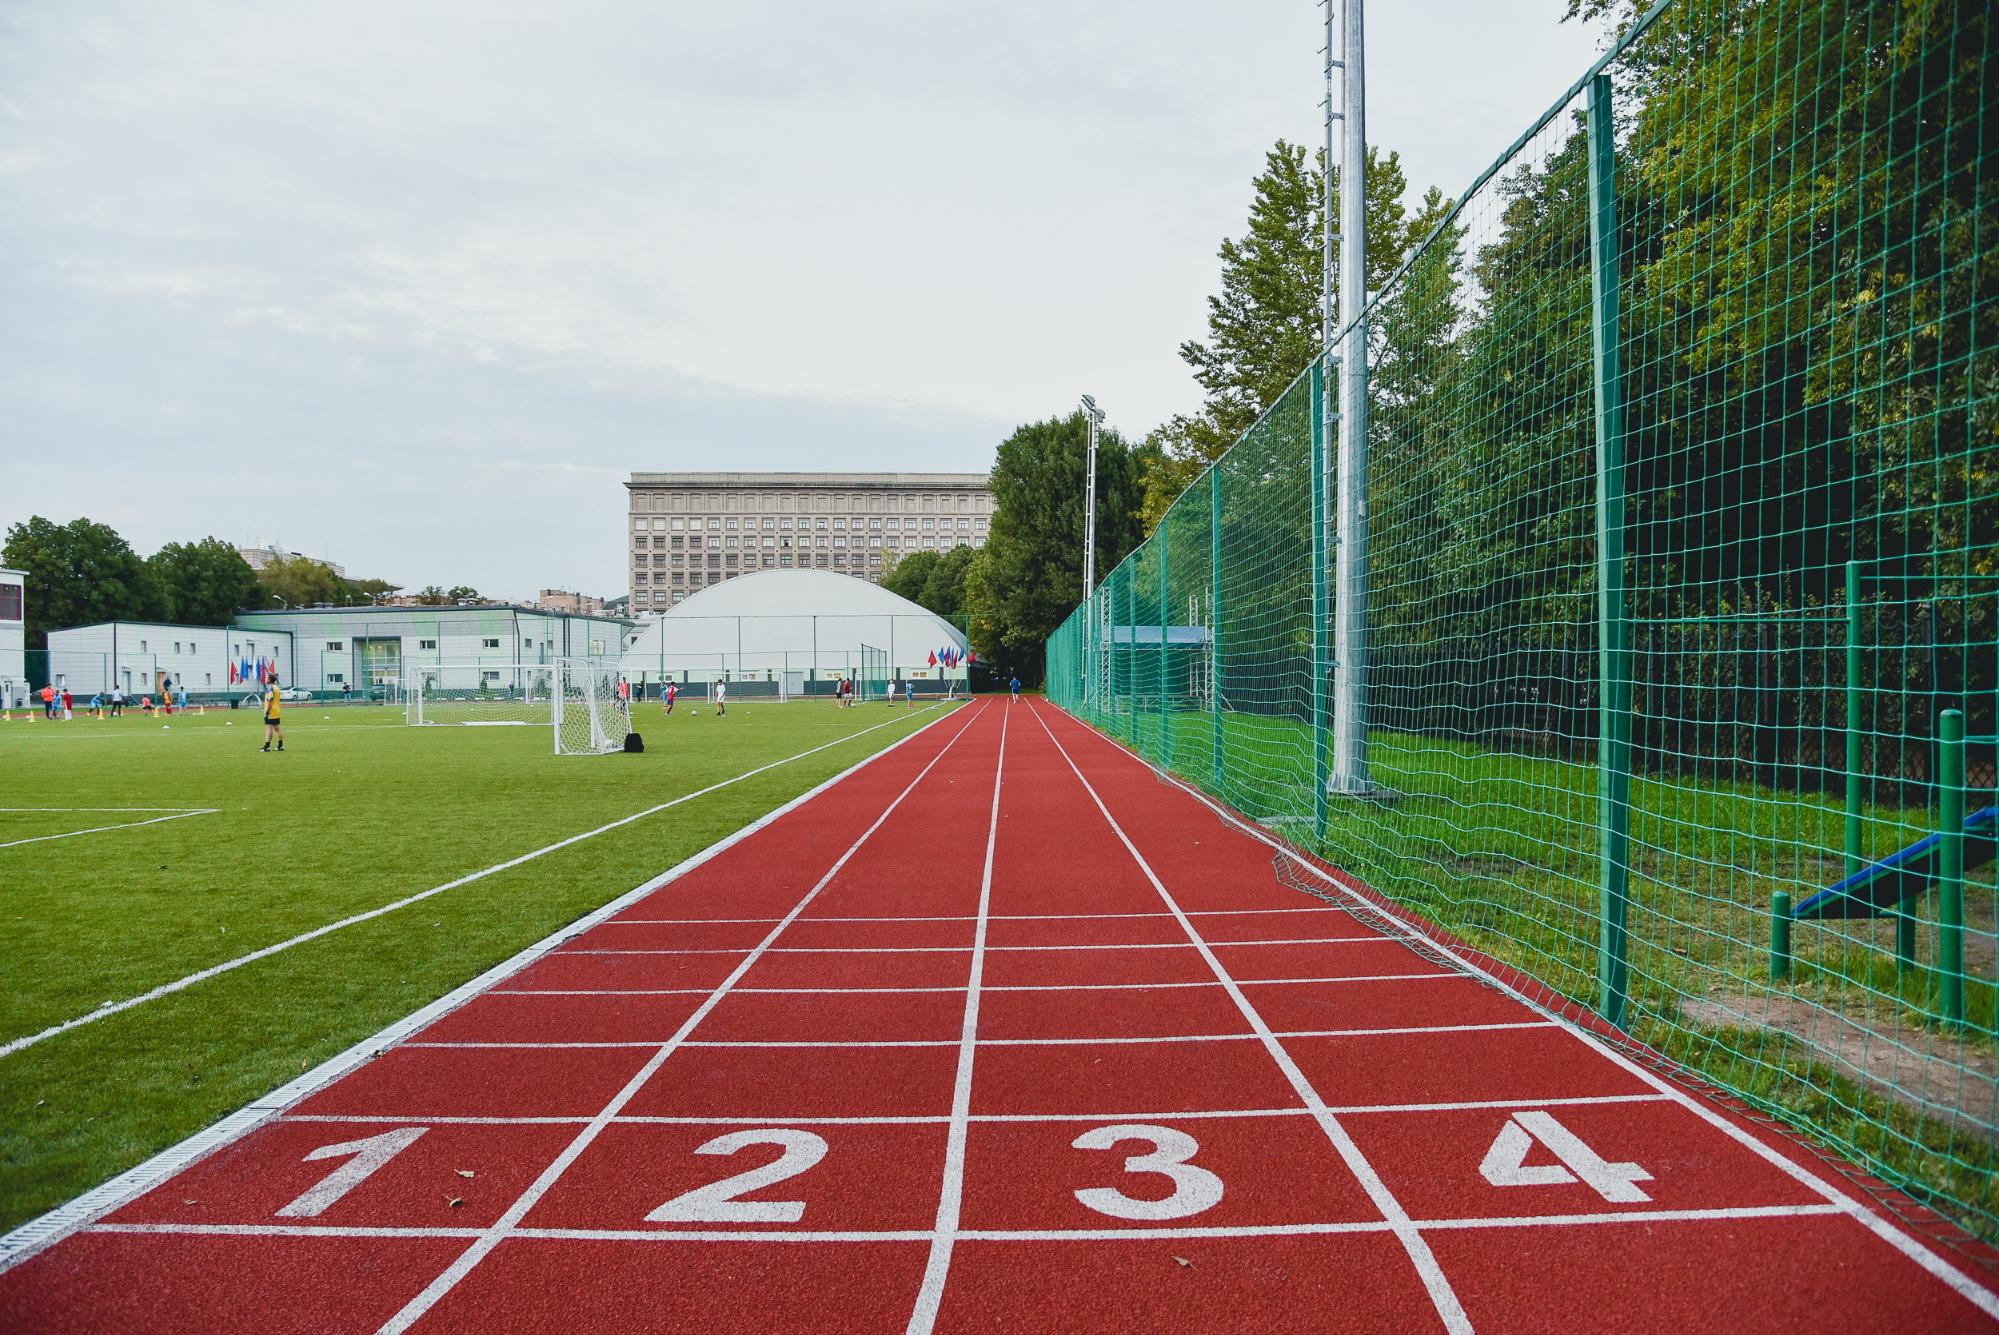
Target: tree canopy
79, 573
1029, 576
204, 583
1264, 325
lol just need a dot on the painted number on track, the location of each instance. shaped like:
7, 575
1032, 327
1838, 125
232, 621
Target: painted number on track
367, 1156
1506, 1163
716, 1203
1194, 1188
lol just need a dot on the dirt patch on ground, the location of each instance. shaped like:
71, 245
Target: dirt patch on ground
1935, 1075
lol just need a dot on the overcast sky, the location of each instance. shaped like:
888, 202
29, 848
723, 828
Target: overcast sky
414, 286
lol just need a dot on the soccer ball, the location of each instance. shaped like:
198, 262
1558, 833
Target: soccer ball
165, 726
693, 711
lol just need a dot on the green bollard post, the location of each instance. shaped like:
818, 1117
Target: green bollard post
1853, 747
1905, 935
1780, 935
1215, 613
1950, 865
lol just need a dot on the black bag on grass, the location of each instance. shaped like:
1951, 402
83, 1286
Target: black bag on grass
634, 743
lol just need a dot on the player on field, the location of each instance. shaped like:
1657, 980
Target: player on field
722, 698
909, 692
671, 691
1016, 689
273, 723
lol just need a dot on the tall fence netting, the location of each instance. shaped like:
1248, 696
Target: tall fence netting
1805, 253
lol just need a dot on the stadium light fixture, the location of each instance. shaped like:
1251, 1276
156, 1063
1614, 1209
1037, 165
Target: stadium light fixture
1094, 416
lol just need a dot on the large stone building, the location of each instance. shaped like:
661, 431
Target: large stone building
691, 530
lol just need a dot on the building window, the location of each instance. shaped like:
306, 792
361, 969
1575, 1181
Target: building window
192, 648
426, 644
10, 602
822, 543
176, 646
332, 647
489, 679
679, 578
929, 523
714, 525
840, 524
874, 525
770, 523
676, 528
839, 542
638, 523
658, 525
639, 578
784, 524
335, 677
489, 644
732, 523
874, 542
821, 525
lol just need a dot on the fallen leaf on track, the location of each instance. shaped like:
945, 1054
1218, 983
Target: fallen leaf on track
464, 1172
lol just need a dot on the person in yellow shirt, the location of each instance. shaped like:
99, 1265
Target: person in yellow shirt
273, 724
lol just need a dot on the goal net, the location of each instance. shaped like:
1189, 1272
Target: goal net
576, 699
871, 675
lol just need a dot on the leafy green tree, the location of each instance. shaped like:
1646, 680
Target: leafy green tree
461, 591
79, 573
944, 590
1264, 326
374, 588
204, 583
1029, 575
299, 581
909, 574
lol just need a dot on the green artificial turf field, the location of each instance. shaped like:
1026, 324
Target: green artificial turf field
243, 850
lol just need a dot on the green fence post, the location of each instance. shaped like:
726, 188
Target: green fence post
1950, 864
1165, 656
1320, 667
1613, 629
1215, 611
1780, 935
1853, 748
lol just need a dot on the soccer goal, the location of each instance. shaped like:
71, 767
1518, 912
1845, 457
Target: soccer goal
871, 676
577, 699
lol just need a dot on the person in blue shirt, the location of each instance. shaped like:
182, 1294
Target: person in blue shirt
1015, 684
909, 691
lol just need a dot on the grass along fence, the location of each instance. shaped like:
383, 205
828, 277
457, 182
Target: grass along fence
1683, 498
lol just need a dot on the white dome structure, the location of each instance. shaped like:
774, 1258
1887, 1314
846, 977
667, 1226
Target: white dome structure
797, 626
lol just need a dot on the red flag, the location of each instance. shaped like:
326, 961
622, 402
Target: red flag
970, 656
232, 674
933, 658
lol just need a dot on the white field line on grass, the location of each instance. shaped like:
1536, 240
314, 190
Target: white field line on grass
510, 1219
1450, 1311
93, 1205
202, 976
1921, 1253
177, 813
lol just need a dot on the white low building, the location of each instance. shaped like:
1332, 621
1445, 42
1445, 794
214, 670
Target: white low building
139, 656
370, 651
13, 638
804, 628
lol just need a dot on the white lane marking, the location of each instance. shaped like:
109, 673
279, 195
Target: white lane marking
1505, 1163
960, 950
996, 917
1432, 975
1151, 1116
1049, 1042
100, 829
717, 1203
950, 1197
1718, 1215
940, 1119
1445, 1299
1919, 1252
203, 975
27, 1239
414, 1309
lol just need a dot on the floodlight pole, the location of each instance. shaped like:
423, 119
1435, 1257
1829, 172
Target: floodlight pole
1094, 416
1349, 773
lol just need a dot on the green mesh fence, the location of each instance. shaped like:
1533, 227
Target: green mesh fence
1682, 589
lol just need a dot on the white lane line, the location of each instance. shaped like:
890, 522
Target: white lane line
414, 1309
1470, 1105
960, 950
1720, 1214
1449, 1309
1082, 1041
202, 976
1922, 1254
59, 811
997, 917
29, 1238
1430, 976
100, 829
950, 1197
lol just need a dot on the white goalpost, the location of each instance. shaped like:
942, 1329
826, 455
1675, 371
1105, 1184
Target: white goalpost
577, 699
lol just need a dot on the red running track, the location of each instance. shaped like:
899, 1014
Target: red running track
996, 1033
